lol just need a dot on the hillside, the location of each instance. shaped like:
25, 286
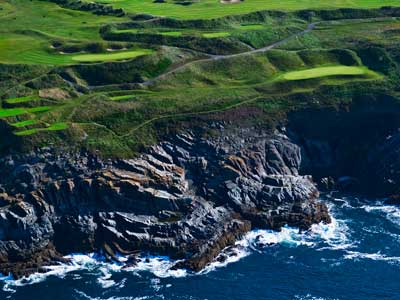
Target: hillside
112, 79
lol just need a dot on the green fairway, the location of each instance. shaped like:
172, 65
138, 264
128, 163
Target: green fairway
111, 56
24, 123
252, 27
325, 72
28, 28
53, 127
207, 9
171, 33
11, 112
216, 34
20, 99
16, 48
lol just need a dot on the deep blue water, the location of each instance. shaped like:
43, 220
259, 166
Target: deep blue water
356, 257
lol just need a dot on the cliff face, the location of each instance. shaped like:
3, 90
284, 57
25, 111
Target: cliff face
187, 197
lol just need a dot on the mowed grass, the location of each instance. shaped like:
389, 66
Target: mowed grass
171, 33
12, 112
252, 27
211, 35
17, 48
208, 9
111, 56
20, 99
27, 29
52, 127
24, 123
326, 72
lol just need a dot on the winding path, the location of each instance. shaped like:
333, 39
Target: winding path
309, 28
149, 82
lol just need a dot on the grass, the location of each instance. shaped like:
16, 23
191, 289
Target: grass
123, 97
39, 109
252, 27
52, 127
17, 48
28, 28
12, 112
326, 72
208, 9
200, 86
111, 56
24, 123
211, 35
171, 33
20, 99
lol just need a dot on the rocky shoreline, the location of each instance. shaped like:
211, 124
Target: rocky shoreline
188, 197
194, 193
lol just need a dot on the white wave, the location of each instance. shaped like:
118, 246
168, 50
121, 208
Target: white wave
91, 262
310, 297
85, 296
253, 241
336, 235
333, 236
160, 266
392, 213
372, 256
321, 236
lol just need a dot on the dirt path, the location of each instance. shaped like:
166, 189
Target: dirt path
309, 28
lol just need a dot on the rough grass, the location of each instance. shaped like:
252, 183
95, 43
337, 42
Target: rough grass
208, 9
326, 72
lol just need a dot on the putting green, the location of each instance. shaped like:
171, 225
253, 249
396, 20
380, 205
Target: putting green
325, 72
111, 56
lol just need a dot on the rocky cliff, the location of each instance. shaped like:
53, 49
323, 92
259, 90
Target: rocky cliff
188, 197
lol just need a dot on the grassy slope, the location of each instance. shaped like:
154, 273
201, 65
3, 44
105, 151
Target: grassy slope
207, 9
117, 121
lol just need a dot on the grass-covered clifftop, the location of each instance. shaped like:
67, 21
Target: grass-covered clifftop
209, 9
74, 74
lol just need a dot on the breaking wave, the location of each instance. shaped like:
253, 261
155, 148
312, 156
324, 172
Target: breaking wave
335, 236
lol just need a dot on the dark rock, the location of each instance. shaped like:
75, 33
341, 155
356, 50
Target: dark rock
187, 197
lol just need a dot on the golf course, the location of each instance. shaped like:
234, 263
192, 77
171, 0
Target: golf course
208, 9
112, 70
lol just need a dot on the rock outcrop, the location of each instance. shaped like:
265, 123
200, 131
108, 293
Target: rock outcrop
187, 197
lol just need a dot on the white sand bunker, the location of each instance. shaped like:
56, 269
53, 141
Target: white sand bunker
230, 1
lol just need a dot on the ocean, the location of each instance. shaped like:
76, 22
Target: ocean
356, 257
